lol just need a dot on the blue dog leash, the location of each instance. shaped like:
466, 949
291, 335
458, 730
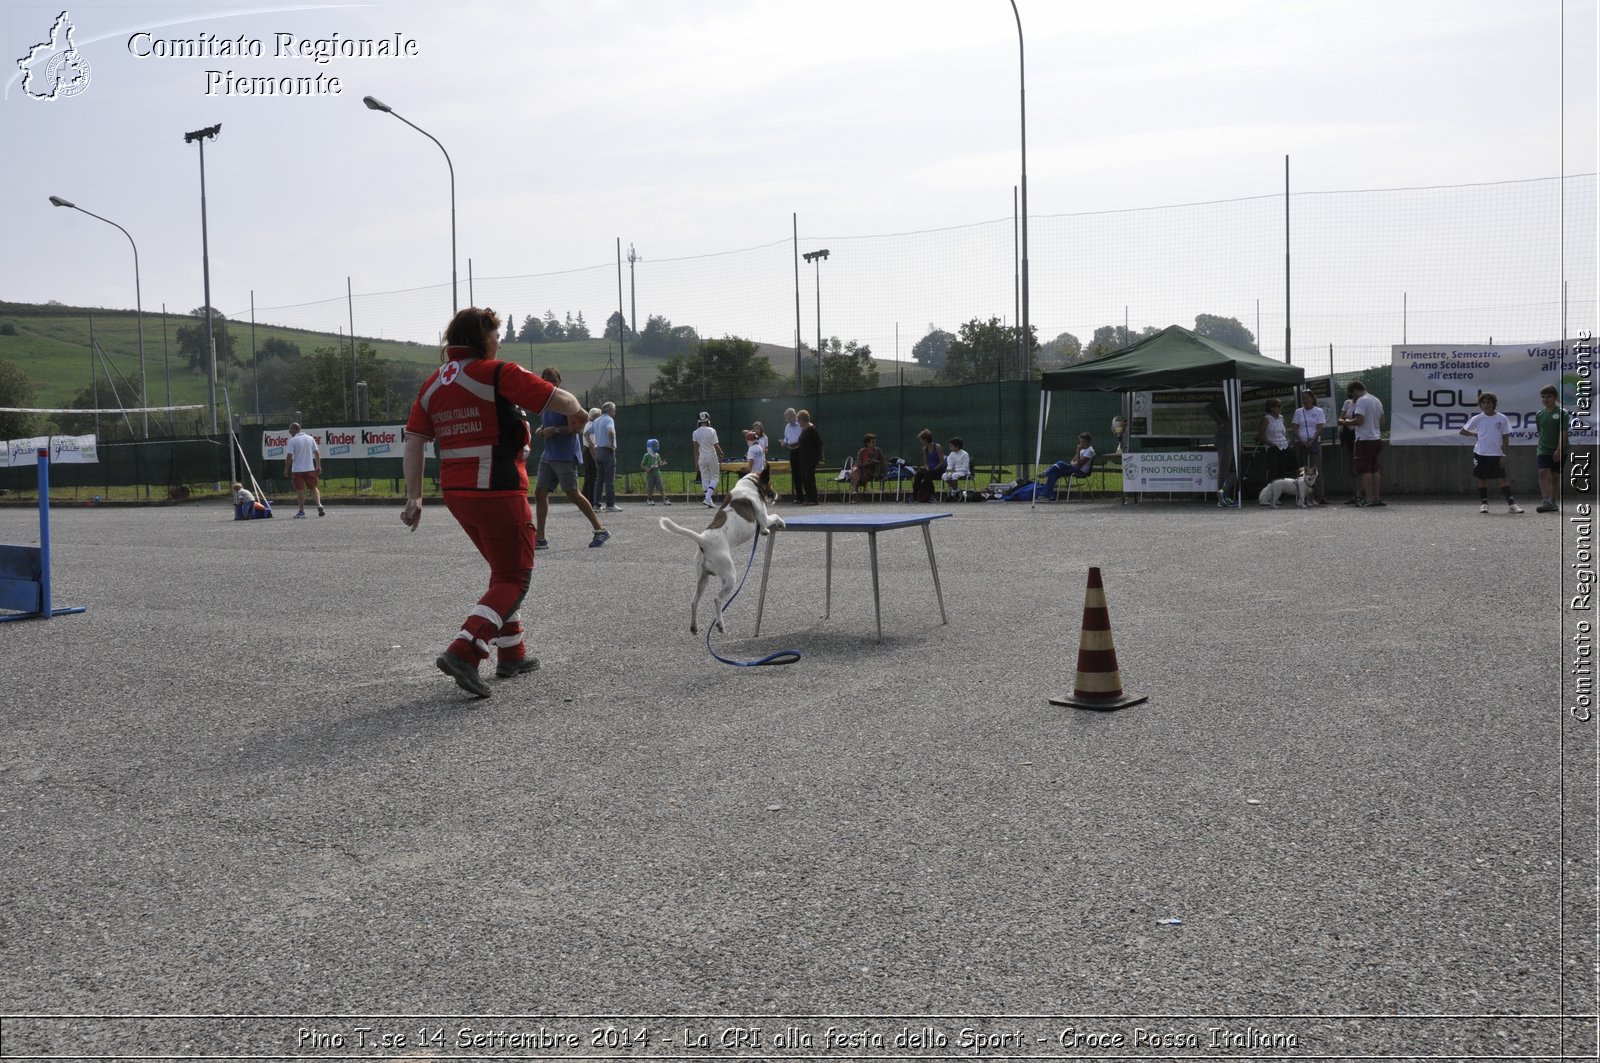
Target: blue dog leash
776, 657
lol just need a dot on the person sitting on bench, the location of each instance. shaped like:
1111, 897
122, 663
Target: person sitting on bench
1080, 466
869, 464
930, 468
957, 465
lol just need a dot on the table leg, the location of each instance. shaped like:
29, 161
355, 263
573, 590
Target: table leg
877, 607
827, 580
927, 538
766, 566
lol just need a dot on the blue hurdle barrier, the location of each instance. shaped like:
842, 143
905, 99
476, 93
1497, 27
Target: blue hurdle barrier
25, 570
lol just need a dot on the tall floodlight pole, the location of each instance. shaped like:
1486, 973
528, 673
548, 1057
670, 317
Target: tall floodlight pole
1027, 334
200, 136
378, 105
138, 302
816, 258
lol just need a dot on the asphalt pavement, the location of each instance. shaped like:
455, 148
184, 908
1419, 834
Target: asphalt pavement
238, 785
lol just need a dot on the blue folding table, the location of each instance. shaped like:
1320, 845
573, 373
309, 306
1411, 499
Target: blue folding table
872, 524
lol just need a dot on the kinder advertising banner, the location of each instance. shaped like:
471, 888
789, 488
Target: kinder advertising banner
1436, 388
380, 441
64, 450
1154, 470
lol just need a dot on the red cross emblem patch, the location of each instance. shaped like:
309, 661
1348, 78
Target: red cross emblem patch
448, 374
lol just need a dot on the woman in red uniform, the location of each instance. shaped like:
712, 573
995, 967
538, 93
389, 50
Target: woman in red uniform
472, 408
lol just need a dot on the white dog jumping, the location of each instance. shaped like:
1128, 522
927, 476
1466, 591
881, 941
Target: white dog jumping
1300, 487
740, 518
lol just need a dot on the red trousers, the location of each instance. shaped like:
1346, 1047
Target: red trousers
501, 527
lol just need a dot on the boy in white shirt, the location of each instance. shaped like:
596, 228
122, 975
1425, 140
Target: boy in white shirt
1491, 430
957, 464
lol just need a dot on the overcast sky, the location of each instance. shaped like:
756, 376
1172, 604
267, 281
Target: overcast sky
695, 127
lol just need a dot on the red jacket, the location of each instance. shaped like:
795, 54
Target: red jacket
469, 408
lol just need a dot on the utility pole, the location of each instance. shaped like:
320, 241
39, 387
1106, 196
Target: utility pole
200, 136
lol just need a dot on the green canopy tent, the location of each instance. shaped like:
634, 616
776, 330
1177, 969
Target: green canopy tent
1175, 357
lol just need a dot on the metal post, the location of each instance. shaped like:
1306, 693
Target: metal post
633, 313
205, 262
350, 308
816, 258
344, 396
200, 136
255, 357
46, 611
166, 368
94, 379
1022, 78
622, 333
799, 388
1288, 346
1016, 278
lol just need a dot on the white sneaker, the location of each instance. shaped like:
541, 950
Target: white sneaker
1514, 508
1483, 507
649, 501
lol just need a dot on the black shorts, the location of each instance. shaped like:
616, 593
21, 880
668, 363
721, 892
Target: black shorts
1487, 467
1548, 461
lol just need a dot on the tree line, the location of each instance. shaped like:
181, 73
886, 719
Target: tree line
320, 385
977, 352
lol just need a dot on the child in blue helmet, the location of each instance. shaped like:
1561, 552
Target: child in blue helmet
652, 463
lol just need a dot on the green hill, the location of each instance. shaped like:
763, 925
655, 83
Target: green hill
51, 345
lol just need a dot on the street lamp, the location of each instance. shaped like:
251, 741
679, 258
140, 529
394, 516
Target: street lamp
374, 104
137, 302
817, 257
200, 136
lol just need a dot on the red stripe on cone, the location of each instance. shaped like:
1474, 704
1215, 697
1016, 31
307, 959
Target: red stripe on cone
1098, 684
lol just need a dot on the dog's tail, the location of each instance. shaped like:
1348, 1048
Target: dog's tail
669, 525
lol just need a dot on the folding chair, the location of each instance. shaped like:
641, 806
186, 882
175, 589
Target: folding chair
841, 482
948, 487
1095, 465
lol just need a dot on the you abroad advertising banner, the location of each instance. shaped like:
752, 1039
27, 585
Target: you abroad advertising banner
373, 441
1436, 388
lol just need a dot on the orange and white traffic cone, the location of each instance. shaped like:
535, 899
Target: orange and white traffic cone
1099, 681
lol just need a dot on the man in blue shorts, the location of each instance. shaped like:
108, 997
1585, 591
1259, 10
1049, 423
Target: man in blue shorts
558, 465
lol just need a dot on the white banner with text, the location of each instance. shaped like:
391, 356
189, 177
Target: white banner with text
376, 441
1176, 470
1436, 389
64, 450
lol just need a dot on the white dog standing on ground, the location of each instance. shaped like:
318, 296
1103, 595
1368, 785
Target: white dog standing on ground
1300, 487
741, 517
